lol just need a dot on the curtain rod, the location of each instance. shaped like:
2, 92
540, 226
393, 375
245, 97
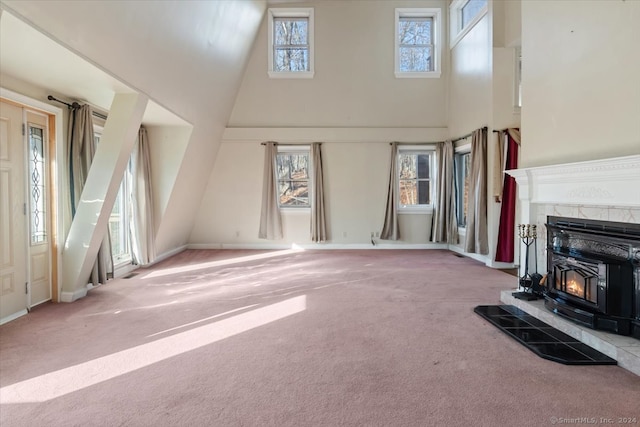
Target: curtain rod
417, 143
467, 135
502, 130
293, 143
75, 106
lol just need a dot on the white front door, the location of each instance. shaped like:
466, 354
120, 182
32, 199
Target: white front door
13, 214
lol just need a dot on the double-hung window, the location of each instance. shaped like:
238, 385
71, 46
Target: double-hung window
417, 42
290, 42
292, 172
415, 179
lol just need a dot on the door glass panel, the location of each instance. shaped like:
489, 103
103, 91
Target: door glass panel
37, 192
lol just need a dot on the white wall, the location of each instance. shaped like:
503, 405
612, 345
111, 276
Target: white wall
354, 105
167, 146
470, 102
513, 23
356, 171
354, 83
187, 56
581, 84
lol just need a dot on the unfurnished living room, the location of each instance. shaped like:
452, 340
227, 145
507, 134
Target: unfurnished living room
319, 213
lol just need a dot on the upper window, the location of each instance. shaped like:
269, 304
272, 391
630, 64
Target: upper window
517, 99
417, 43
292, 172
291, 43
464, 15
415, 183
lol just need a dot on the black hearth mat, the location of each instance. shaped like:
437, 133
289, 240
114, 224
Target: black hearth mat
541, 338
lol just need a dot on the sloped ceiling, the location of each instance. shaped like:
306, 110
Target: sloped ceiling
186, 56
34, 58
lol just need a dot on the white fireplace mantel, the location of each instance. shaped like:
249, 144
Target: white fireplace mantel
608, 190
607, 182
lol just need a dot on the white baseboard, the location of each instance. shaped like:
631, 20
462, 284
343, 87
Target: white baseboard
482, 258
13, 316
316, 246
167, 254
73, 296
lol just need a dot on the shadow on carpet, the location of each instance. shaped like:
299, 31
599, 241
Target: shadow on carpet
541, 338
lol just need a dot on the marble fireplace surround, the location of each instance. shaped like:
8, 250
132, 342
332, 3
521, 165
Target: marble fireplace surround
607, 190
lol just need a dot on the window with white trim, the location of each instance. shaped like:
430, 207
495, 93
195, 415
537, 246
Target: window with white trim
417, 42
415, 180
292, 172
290, 42
462, 166
120, 216
464, 14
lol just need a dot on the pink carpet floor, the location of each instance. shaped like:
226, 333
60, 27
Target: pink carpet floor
313, 338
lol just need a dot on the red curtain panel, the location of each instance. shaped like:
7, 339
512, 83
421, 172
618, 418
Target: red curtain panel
504, 251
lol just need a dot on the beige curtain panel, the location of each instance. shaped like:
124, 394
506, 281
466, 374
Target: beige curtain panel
477, 239
445, 223
82, 148
391, 227
142, 224
318, 220
270, 220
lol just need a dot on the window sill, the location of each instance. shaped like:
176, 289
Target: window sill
291, 75
415, 211
295, 211
416, 75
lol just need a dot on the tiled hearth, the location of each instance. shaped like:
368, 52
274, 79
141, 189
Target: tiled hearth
625, 350
606, 190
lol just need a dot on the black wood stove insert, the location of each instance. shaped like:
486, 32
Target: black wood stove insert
594, 273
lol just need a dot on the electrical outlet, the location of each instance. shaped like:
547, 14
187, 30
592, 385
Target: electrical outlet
237, 234
373, 234
344, 234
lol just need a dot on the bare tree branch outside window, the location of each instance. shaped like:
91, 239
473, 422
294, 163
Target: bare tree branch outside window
291, 44
415, 48
292, 170
414, 179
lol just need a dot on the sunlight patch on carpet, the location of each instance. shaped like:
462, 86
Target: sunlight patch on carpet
202, 320
68, 380
222, 262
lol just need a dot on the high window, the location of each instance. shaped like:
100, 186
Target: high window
292, 172
291, 42
464, 14
415, 183
462, 166
417, 50
517, 99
